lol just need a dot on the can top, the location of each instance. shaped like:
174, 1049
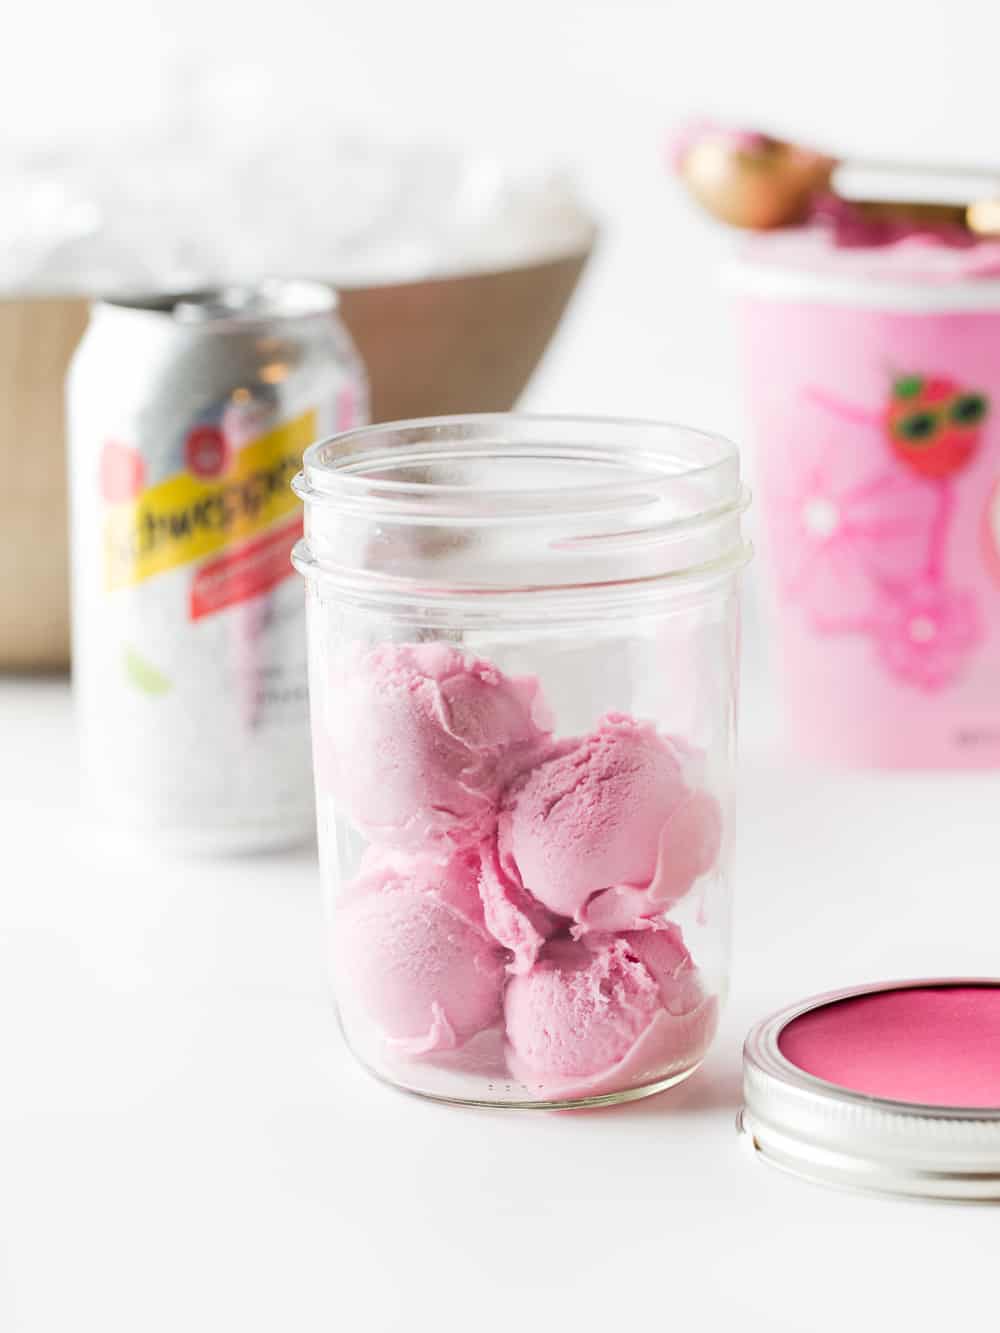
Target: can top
892, 1088
239, 303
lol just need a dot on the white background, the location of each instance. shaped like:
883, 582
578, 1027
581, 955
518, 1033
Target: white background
183, 1142
186, 1144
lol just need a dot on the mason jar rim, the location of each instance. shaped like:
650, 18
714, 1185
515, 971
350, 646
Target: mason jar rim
341, 470
660, 510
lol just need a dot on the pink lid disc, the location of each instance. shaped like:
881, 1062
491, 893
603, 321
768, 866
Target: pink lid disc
934, 1045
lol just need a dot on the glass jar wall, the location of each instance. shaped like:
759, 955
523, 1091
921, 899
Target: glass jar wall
523, 667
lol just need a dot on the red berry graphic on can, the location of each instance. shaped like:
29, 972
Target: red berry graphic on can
933, 424
121, 472
206, 452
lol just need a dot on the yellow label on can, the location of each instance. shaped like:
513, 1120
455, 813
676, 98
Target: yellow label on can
186, 517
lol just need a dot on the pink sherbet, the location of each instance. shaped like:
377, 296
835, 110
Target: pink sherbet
411, 945
689, 845
512, 916
579, 1010
592, 815
607, 1013
662, 951
424, 739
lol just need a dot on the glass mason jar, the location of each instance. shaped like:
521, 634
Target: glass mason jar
524, 648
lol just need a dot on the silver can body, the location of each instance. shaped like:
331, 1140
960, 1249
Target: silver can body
188, 417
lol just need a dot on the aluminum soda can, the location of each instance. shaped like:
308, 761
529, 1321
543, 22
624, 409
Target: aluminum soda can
187, 419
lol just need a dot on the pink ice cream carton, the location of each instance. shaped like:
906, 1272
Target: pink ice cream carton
873, 371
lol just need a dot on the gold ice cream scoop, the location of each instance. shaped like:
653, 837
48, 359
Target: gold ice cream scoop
753, 180
749, 179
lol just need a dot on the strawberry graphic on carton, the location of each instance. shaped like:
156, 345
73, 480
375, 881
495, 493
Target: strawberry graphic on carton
869, 555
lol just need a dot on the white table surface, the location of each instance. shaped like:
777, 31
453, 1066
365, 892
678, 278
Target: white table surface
185, 1144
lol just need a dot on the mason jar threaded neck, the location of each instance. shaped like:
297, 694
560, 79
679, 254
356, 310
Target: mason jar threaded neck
502, 505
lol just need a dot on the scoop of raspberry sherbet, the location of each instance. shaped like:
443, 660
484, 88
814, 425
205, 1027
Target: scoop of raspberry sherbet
597, 815
662, 951
516, 920
579, 1010
423, 740
605, 1014
411, 946
689, 846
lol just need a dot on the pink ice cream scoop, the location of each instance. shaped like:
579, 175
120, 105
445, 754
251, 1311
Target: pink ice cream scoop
662, 952
412, 946
610, 811
607, 1013
423, 740
689, 845
516, 920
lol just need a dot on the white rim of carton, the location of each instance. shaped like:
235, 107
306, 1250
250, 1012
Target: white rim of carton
772, 282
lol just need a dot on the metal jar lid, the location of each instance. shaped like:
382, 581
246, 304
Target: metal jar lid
832, 1135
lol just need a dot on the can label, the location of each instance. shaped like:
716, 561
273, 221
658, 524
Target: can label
187, 517
190, 654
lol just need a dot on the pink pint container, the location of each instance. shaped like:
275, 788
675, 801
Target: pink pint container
873, 376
